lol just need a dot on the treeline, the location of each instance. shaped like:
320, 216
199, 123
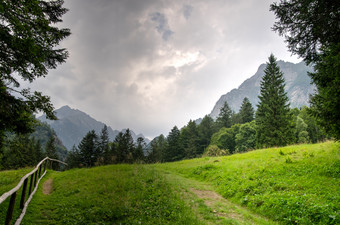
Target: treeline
273, 124
96, 150
21, 150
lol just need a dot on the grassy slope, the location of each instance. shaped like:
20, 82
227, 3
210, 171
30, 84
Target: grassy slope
8, 180
129, 194
295, 184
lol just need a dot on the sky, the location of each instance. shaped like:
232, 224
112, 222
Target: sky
149, 65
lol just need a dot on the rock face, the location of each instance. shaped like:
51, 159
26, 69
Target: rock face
72, 125
298, 87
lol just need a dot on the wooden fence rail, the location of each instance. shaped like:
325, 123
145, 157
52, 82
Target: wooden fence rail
33, 177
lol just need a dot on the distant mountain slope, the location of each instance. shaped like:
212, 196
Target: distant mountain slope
298, 87
72, 125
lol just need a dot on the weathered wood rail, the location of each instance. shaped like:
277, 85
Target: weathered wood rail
34, 177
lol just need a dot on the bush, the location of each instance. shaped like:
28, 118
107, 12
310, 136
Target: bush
213, 150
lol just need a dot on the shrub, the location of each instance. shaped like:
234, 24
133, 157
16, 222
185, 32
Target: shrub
213, 150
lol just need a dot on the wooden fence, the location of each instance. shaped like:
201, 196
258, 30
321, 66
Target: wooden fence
34, 177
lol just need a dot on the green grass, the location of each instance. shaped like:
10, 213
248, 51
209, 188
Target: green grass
8, 180
127, 194
294, 185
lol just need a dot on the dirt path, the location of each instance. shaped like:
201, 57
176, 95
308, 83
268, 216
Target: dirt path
211, 207
47, 186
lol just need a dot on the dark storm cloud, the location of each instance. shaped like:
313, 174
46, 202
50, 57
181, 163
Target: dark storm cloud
151, 64
162, 25
187, 10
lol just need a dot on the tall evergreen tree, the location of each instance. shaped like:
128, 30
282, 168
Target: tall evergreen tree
87, 149
273, 118
157, 150
205, 130
138, 154
124, 147
189, 140
246, 111
103, 152
50, 148
311, 29
224, 117
174, 150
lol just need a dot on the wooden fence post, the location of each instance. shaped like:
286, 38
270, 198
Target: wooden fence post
35, 177
10, 209
31, 183
40, 170
23, 195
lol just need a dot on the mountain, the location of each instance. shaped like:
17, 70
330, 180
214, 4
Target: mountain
72, 125
298, 87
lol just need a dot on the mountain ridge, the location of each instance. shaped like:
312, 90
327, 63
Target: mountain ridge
298, 87
72, 125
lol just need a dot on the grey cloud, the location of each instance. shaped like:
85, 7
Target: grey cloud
187, 10
162, 25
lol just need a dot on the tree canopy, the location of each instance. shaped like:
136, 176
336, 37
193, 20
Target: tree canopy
312, 30
28, 49
273, 113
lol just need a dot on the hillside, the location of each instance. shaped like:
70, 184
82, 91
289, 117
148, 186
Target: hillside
290, 185
298, 87
72, 125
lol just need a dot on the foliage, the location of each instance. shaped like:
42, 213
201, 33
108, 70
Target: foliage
157, 149
245, 139
291, 185
205, 129
224, 118
213, 150
174, 150
311, 29
273, 118
95, 151
28, 49
225, 138
246, 111
325, 105
190, 140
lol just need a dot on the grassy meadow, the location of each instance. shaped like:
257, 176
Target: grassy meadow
291, 185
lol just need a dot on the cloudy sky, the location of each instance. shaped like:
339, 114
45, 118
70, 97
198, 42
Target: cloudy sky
148, 65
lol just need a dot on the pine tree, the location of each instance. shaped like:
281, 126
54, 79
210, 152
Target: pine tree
174, 150
138, 154
205, 130
224, 117
103, 150
311, 29
189, 140
246, 111
87, 149
124, 147
273, 113
50, 148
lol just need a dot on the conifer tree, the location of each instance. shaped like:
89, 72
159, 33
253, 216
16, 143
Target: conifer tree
138, 154
103, 150
246, 111
273, 114
205, 130
174, 149
50, 148
87, 149
189, 140
224, 117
